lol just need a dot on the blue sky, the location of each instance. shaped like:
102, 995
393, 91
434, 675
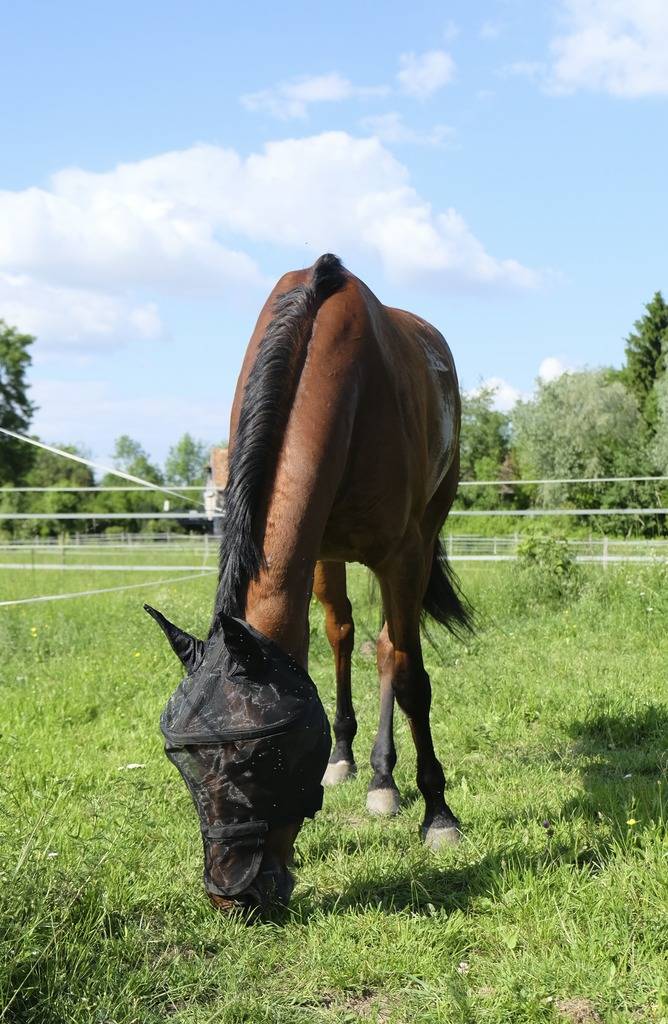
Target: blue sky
498, 168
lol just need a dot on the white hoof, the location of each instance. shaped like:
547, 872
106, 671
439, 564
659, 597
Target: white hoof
383, 801
337, 772
439, 838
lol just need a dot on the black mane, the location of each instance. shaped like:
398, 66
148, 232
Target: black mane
267, 399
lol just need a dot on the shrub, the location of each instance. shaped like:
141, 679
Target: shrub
548, 572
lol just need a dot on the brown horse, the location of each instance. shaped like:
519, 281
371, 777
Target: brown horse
344, 447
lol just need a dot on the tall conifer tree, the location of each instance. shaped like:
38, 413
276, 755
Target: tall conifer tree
16, 409
646, 355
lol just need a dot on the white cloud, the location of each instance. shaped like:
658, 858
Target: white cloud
65, 406
73, 318
614, 46
551, 368
178, 223
451, 30
292, 99
490, 30
392, 128
532, 69
419, 76
505, 394
422, 74
140, 225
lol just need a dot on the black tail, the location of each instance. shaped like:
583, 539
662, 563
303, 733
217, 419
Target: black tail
444, 600
264, 413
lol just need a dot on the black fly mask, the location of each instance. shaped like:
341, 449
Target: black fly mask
248, 733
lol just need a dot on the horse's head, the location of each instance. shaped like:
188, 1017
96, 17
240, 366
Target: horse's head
249, 735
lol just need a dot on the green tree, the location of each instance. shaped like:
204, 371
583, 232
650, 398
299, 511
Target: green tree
484, 439
484, 450
659, 450
16, 409
584, 424
185, 462
646, 353
130, 457
50, 470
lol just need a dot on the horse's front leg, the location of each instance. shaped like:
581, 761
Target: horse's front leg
383, 795
329, 585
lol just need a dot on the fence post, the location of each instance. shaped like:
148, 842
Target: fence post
605, 552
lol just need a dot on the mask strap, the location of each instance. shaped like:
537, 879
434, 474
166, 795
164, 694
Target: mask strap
237, 831
247, 835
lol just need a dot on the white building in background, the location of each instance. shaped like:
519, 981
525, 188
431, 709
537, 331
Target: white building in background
214, 486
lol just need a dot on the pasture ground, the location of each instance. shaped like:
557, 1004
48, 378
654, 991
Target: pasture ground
551, 725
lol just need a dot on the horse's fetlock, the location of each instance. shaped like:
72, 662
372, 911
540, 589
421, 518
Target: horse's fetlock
383, 760
431, 781
345, 729
347, 637
382, 779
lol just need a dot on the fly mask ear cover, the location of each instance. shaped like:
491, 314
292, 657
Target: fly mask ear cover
249, 735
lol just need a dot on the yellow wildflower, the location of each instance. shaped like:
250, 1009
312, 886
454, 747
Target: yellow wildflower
632, 821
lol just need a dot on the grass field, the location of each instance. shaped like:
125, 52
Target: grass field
552, 727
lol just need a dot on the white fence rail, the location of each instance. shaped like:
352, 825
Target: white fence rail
193, 517
472, 547
72, 552
178, 488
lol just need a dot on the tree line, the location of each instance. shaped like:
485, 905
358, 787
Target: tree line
602, 422
22, 465
184, 466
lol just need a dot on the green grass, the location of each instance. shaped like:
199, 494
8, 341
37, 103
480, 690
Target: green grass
552, 728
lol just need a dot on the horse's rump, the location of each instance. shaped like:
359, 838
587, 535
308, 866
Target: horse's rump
347, 411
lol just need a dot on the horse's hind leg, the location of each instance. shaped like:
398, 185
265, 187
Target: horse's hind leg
329, 585
383, 795
403, 583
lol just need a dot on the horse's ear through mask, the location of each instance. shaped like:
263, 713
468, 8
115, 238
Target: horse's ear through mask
188, 649
241, 644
